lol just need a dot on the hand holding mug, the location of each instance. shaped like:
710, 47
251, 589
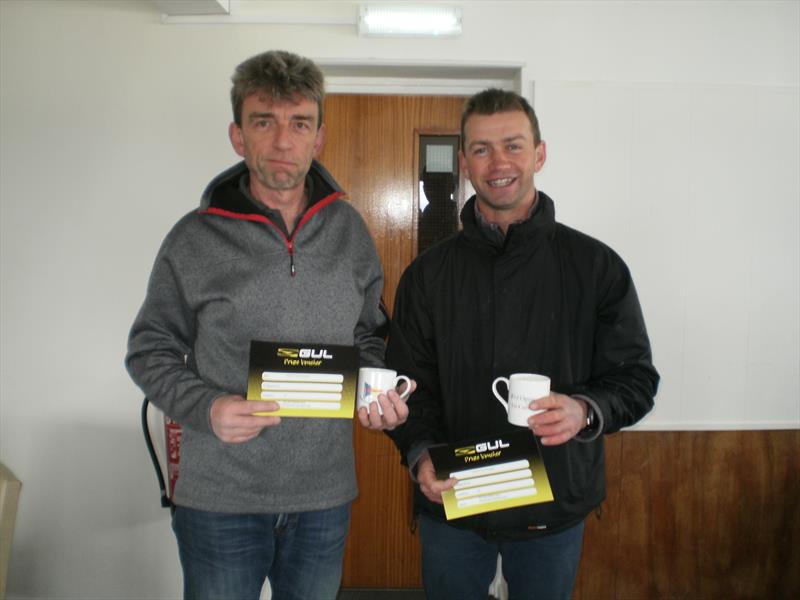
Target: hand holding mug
523, 388
379, 404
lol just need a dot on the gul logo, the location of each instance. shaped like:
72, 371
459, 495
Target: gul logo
480, 448
304, 353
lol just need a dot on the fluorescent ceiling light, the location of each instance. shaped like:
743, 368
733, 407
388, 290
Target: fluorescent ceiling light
193, 7
433, 20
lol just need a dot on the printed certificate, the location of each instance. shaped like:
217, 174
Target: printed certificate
305, 379
494, 473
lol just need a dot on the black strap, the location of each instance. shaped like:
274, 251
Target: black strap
165, 501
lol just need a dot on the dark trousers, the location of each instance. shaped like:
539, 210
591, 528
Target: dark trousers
229, 556
458, 564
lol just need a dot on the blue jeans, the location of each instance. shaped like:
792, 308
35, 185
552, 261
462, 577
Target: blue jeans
458, 564
228, 556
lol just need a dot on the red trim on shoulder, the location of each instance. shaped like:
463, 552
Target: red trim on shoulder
229, 214
316, 208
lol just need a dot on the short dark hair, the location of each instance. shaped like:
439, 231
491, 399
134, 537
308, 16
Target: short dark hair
493, 100
280, 74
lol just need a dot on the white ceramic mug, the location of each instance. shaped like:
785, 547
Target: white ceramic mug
523, 388
373, 381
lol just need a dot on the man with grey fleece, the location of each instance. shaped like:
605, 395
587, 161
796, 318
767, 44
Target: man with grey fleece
273, 253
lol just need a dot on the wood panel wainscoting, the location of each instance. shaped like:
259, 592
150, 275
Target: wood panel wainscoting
689, 515
696, 515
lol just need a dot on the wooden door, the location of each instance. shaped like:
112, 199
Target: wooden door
371, 150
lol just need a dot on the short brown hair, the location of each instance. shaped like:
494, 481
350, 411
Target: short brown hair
493, 100
280, 74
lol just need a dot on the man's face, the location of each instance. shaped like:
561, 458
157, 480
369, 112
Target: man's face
278, 139
500, 158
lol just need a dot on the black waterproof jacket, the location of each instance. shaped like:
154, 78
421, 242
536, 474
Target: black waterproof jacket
549, 300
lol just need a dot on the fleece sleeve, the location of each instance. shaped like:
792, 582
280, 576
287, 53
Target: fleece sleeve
370, 330
159, 350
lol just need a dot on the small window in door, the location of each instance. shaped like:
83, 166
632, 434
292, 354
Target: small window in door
438, 189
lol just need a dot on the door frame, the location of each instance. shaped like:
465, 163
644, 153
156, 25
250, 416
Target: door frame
409, 78
420, 78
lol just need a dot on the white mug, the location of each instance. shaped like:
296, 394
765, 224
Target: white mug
373, 381
523, 388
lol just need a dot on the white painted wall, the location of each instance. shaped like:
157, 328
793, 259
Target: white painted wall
673, 131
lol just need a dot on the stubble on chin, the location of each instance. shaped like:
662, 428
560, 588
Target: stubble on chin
279, 181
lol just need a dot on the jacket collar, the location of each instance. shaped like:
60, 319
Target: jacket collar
538, 226
224, 191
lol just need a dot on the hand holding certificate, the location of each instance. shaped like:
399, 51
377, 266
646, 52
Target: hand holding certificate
303, 379
492, 473
233, 419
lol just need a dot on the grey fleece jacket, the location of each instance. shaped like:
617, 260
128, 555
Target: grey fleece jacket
227, 274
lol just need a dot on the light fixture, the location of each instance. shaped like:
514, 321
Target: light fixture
412, 20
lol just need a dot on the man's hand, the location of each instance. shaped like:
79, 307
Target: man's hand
393, 411
562, 419
430, 486
233, 421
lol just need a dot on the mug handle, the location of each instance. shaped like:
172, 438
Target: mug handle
406, 391
495, 392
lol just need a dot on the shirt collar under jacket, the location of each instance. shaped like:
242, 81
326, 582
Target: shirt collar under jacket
492, 231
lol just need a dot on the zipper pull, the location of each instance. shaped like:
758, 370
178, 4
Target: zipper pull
292, 270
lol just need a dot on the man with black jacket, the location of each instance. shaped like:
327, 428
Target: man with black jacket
515, 291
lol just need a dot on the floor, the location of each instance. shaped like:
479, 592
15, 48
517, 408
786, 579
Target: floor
363, 594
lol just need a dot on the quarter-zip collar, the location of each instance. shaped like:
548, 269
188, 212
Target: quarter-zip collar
272, 214
225, 197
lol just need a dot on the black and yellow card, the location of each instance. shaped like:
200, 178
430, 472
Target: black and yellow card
306, 380
494, 473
